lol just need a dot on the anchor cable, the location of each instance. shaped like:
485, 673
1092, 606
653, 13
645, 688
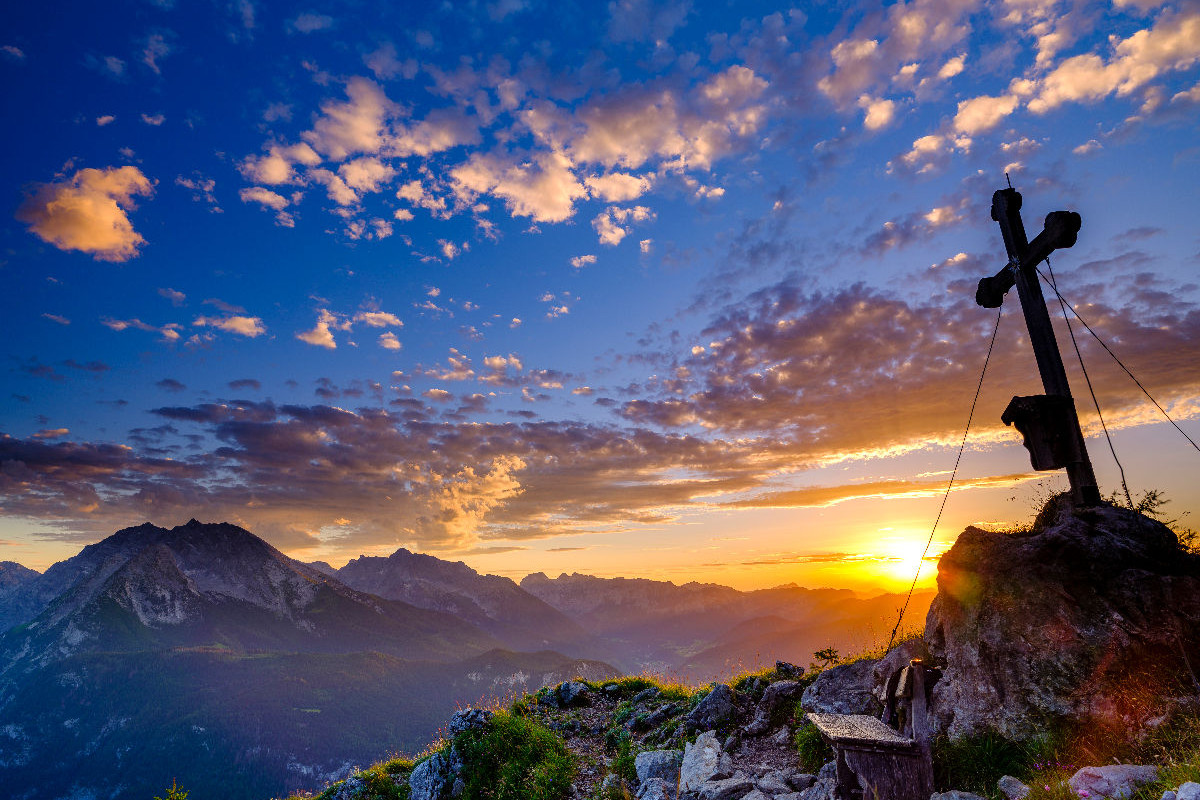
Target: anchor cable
1121, 364
953, 474
1062, 304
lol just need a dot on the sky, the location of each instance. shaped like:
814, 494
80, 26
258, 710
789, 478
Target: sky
677, 290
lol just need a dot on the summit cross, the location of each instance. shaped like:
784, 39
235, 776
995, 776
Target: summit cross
1048, 422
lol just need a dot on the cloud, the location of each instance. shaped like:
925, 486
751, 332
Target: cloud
176, 298
276, 166
824, 496
389, 341
321, 335
170, 385
1173, 43
366, 174
543, 188
378, 319
169, 332
250, 327
354, 126
981, 114
88, 212
107, 119
269, 199
61, 320
618, 187
880, 112
310, 22
156, 47
245, 383
579, 262
609, 224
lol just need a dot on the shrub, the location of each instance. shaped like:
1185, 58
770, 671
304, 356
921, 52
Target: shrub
174, 793
814, 751
976, 763
514, 758
624, 766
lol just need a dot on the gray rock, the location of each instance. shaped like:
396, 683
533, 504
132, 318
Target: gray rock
437, 778
572, 694
1168, 795
757, 794
774, 782
733, 788
845, 689
657, 789
703, 761
1022, 622
660, 716
789, 796
1116, 781
777, 704
955, 794
662, 764
468, 719
788, 671
714, 711
801, 780
1188, 791
349, 788
822, 788
1012, 788
649, 693
782, 737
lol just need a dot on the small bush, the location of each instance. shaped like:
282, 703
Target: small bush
624, 766
514, 758
174, 793
813, 750
976, 763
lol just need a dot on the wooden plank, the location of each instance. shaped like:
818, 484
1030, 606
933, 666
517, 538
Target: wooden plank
858, 729
892, 776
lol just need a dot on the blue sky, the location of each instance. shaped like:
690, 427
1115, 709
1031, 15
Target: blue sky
668, 289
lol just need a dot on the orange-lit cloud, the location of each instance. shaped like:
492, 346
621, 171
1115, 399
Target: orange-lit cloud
89, 212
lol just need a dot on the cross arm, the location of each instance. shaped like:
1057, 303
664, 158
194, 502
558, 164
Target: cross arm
1061, 231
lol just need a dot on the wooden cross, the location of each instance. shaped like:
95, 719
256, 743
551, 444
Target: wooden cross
1049, 422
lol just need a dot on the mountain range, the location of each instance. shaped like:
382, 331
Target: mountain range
203, 654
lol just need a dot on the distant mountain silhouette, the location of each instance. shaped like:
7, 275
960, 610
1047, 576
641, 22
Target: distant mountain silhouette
494, 604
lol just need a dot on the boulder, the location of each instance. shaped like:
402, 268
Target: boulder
703, 761
1168, 795
844, 689
955, 794
1188, 791
350, 788
662, 764
714, 711
657, 789
822, 788
1012, 788
731, 788
757, 794
437, 778
1057, 624
1115, 781
788, 671
801, 780
468, 719
572, 694
774, 782
777, 704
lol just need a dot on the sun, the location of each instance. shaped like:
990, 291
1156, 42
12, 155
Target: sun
900, 555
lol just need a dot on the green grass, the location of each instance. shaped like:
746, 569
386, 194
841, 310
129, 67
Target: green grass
814, 752
514, 758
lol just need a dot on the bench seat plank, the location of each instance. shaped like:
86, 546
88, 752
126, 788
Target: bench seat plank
859, 729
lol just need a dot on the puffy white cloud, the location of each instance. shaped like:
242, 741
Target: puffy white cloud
276, 166
156, 48
366, 174
543, 188
880, 112
242, 325
321, 334
441, 129
335, 187
981, 114
618, 187
357, 125
608, 224
578, 262
107, 119
952, 67
389, 341
1173, 43
88, 212
378, 319
264, 197
386, 65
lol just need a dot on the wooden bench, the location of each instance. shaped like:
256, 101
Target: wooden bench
876, 762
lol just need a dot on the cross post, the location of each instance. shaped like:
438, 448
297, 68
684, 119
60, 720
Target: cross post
1049, 422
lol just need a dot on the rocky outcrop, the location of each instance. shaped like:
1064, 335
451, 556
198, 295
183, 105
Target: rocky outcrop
714, 711
1063, 622
1113, 781
844, 689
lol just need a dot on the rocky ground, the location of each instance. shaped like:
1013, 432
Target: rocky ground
723, 744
